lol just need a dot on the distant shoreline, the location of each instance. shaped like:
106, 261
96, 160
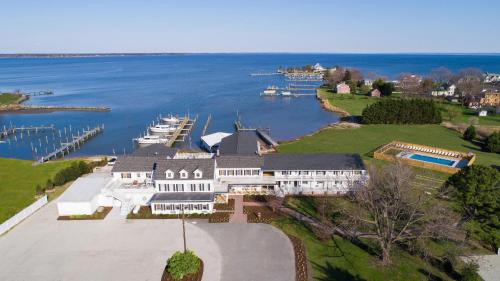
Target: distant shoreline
77, 55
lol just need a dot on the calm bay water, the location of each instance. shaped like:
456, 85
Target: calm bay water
138, 88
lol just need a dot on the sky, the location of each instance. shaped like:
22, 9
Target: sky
214, 26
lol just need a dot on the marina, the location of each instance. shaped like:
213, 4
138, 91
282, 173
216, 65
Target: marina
170, 131
71, 145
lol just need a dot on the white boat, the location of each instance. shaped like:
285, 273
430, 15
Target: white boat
151, 139
286, 93
269, 91
162, 129
171, 120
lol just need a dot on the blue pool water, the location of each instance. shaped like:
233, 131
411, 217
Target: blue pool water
434, 160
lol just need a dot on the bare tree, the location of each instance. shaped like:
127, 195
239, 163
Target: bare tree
354, 74
409, 83
470, 82
389, 208
334, 76
441, 75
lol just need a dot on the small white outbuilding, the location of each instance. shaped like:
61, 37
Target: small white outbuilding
212, 141
83, 196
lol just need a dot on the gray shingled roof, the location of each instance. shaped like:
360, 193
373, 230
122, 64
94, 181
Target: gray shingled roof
206, 166
239, 161
319, 161
182, 196
155, 150
133, 164
240, 143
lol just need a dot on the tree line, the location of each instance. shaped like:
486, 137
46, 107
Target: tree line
402, 111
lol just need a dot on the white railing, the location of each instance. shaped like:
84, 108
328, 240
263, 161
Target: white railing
26, 212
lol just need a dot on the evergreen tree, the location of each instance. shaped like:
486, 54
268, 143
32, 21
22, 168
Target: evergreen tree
493, 142
470, 133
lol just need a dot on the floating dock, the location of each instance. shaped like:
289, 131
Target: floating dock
73, 145
184, 129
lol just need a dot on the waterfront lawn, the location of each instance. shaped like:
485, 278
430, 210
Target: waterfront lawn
7, 98
18, 180
368, 138
339, 259
352, 103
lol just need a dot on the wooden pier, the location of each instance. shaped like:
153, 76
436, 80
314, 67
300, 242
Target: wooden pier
205, 128
184, 129
13, 130
73, 145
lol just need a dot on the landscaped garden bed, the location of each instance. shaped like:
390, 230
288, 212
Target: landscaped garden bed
255, 198
225, 207
98, 215
260, 214
183, 267
300, 258
219, 218
145, 213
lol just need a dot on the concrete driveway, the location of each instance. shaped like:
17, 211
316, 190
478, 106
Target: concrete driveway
42, 248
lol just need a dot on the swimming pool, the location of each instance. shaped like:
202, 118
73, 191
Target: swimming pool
434, 160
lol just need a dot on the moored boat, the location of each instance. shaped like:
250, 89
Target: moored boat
162, 129
150, 139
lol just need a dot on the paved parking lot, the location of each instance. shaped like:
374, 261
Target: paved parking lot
42, 248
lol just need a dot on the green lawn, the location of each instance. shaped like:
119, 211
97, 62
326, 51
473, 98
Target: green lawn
366, 139
466, 114
339, 259
18, 180
7, 98
352, 103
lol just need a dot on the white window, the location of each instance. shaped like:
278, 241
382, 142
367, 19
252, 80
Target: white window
197, 174
183, 174
169, 174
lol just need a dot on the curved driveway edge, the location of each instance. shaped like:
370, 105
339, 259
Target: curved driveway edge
252, 252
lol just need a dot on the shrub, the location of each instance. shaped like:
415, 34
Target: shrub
39, 190
59, 178
493, 143
469, 272
402, 111
470, 133
183, 264
49, 184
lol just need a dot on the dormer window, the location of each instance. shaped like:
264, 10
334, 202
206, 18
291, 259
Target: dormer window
198, 174
169, 174
183, 174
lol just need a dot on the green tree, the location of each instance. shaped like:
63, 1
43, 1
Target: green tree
477, 190
493, 142
83, 167
470, 133
385, 88
183, 264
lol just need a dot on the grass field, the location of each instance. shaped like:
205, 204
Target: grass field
18, 180
6, 98
339, 259
366, 139
354, 104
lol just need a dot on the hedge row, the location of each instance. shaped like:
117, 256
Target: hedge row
68, 174
402, 111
